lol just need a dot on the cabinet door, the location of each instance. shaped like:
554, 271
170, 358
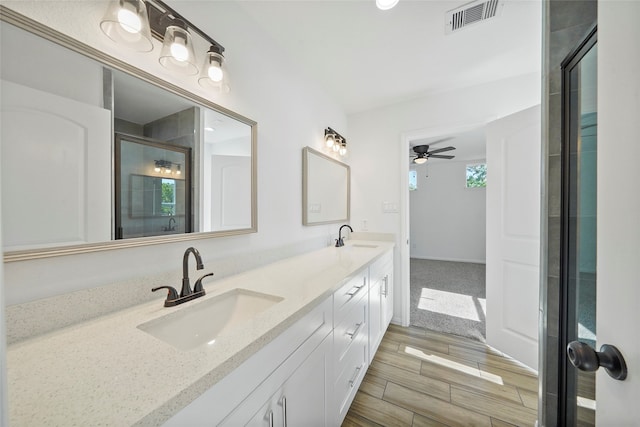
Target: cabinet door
305, 396
375, 317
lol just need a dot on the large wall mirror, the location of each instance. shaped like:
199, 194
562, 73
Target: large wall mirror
98, 155
326, 189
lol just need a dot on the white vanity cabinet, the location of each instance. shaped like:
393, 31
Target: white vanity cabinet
310, 374
380, 300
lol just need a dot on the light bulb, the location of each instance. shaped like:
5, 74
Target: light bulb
157, 169
179, 171
330, 141
420, 160
336, 147
343, 150
129, 20
215, 72
167, 170
179, 51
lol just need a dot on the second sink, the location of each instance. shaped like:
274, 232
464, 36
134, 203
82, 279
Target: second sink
203, 322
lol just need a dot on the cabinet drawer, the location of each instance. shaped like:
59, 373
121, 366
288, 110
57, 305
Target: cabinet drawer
352, 328
354, 367
351, 292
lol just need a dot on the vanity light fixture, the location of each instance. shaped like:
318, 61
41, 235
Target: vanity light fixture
133, 23
335, 141
386, 4
165, 166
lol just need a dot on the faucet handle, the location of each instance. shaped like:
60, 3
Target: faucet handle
172, 294
197, 287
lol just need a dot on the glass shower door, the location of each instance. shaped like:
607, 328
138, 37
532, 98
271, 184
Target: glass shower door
579, 213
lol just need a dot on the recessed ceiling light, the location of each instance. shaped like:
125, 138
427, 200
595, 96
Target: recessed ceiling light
386, 4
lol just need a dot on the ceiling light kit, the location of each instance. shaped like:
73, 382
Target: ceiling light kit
422, 153
133, 23
335, 141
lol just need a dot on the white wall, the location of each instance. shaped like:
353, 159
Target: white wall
448, 220
378, 143
291, 112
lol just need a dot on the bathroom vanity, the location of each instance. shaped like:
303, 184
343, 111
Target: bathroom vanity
296, 359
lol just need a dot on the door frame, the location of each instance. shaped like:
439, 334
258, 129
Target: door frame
565, 314
405, 208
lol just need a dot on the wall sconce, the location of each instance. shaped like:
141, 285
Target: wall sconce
335, 141
167, 167
133, 23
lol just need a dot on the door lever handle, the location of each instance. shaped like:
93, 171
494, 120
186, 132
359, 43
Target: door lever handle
585, 358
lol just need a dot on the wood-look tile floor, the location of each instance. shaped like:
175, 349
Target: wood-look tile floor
424, 378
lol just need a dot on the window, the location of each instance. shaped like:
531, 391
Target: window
477, 175
413, 180
168, 197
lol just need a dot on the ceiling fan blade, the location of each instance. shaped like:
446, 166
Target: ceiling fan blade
437, 156
440, 150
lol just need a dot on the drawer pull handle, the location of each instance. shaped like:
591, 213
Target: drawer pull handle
386, 285
270, 418
352, 381
355, 331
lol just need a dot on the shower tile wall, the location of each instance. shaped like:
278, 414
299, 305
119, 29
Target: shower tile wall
566, 23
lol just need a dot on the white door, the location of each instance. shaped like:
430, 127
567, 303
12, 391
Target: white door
513, 234
618, 253
56, 169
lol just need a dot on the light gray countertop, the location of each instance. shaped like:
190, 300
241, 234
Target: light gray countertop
108, 372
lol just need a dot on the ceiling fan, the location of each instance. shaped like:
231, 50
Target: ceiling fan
422, 153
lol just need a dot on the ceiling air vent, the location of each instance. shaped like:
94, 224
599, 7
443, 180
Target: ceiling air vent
471, 13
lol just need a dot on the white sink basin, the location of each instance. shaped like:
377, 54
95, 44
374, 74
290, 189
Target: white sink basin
360, 245
204, 321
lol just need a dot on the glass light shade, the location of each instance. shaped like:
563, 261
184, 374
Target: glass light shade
126, 22
343, 149
330, 140
336, 147
212, 76
420, 160
177, 51
386, 4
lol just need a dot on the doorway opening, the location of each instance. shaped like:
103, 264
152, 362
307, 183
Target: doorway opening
447, 234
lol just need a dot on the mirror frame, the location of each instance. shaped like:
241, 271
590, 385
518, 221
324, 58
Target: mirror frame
306, 151
20, 21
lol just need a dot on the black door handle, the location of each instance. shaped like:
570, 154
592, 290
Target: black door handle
585, 358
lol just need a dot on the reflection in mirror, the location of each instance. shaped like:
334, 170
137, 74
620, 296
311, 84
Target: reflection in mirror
326, 189
58, 152
152, 179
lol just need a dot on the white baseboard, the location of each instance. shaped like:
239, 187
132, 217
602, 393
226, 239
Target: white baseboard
474, 261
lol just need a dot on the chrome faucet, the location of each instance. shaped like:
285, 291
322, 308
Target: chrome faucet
339, 241
186, 294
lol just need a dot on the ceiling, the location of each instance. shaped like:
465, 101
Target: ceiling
367, 58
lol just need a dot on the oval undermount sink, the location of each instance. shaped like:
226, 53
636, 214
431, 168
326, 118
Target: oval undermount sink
204, 321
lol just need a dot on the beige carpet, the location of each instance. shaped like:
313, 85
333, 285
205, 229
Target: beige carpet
449, 297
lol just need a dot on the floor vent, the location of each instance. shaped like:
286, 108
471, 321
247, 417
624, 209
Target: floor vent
472, 13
